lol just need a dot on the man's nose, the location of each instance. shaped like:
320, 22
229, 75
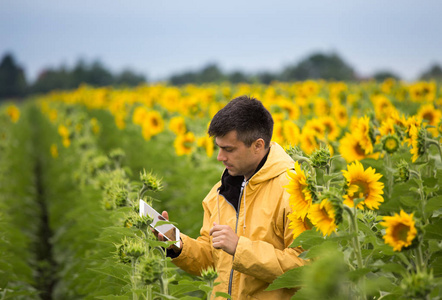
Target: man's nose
221, 156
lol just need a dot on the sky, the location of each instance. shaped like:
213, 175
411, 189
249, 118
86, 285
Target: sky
161, 38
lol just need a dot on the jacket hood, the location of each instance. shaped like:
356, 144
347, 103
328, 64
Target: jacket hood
278, 161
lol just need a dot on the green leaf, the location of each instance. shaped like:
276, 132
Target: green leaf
205, 288
355, 275
433, 204
221, 294
113, 272
184, 286
433, 231
409, 201
320, 249
290, 279
308, 239
436, 265
394, 268
332, 176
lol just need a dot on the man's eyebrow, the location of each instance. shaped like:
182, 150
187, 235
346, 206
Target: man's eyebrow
223, 147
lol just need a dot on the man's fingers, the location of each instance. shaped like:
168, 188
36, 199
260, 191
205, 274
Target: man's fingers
165, 215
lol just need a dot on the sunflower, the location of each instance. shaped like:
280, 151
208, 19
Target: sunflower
206, 142
401, 230
340, 114
177, 125
386, 128
299, 225
63, 131
331, 128
390, 143
13, 113
413, 121
363, 184
362, 133
154, 121
300, 195
382, 106
291, 109
277, 135
291, 132
139, 115
322, 216
184, 143
308, 140
430, 115
321, 106
54, 151
417, 139
350, 148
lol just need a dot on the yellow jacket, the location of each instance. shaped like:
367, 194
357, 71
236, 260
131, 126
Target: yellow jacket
262, 253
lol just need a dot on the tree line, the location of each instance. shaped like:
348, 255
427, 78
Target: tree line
13, 83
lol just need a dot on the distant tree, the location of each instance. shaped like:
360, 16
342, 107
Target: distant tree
52, 79
266, 77
12, 78
94, 74
238, 77
211, 73
184, 78
319, 66
129, 78
434, 72
98, 75
382, 75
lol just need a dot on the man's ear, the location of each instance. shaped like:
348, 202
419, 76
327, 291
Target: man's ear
259, 145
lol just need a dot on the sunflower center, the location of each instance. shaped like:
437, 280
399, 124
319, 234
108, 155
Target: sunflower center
154, 122
358, 149
429, 117
362, 191
400, 232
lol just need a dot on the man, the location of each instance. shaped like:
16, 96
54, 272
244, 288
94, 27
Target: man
245, 233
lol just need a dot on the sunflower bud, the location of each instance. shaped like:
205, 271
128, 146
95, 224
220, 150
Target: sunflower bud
150, 182
295, 152
151, 269
402, 171
135, 248
321, 157
117, 155
418, 285
128, 249
209, 274
121, 252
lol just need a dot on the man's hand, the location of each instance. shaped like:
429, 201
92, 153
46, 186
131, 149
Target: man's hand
224, 238
160, 237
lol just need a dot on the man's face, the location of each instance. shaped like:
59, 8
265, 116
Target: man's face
236, 156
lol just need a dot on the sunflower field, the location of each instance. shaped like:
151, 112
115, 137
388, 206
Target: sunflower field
365, 189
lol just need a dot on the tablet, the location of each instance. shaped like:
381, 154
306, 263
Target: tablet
169, 231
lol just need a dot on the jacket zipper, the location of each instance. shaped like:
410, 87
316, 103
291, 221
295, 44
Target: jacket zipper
236, 231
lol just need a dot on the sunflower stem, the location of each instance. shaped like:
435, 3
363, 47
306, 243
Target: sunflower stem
133, 279
352, 213
149, 292
389, 173
420, 265
438, 146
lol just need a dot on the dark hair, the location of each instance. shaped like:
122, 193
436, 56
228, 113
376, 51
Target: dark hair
248, 117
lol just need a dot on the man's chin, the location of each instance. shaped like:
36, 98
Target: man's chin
232, 173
